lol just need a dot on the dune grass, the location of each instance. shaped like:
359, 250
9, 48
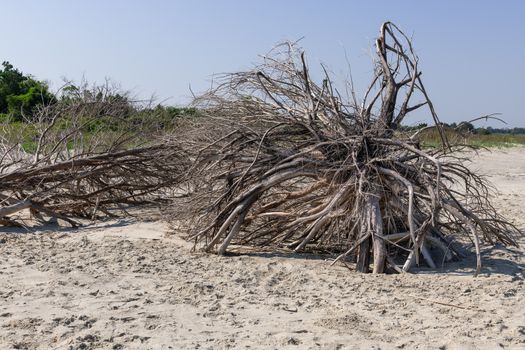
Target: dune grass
432, 139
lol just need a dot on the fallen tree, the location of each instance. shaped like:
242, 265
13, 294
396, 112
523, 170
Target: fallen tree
271, 160
281, 161
87, 156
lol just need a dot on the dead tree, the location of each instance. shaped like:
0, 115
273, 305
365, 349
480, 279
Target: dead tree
281, 161
92, 154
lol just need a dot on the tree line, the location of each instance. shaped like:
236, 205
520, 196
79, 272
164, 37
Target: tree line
21, 95
470, 128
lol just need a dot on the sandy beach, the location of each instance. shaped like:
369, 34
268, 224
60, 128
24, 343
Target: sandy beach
132, 284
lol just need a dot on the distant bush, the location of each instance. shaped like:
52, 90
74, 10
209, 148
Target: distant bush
469, 128
20, 94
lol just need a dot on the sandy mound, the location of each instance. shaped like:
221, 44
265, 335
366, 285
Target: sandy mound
127, 285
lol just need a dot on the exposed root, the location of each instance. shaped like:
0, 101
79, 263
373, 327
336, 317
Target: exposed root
280, 161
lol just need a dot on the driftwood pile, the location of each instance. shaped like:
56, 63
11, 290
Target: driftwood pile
281, 161
274, 160
74, 170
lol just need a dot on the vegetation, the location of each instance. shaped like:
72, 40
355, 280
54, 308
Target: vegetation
20, 94
493, 140
92, 110
467, 135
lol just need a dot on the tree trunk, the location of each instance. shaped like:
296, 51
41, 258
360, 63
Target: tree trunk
363, 257
376, 228
372, 226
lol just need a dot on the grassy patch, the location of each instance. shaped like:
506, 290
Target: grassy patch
431, 139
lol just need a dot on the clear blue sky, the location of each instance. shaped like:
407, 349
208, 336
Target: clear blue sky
471, 52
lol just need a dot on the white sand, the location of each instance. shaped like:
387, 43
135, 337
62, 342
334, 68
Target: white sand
127, 285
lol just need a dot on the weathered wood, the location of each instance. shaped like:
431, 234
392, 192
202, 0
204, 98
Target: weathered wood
376, 227
396, 237
363, 257
14, 208
427, 256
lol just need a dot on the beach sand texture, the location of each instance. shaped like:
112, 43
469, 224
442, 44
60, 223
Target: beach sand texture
127, 284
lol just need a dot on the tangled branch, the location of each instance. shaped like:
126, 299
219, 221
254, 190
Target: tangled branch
281, 161
84, 157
